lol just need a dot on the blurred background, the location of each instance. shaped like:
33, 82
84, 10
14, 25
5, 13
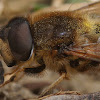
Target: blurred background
10, 8
31, 86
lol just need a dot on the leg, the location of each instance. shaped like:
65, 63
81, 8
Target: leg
21, 66
30, 69
62, 77
59, 93
15, 75
12, 72
11, 77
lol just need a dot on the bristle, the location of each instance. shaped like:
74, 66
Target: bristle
36, 75
43, 15
35, 70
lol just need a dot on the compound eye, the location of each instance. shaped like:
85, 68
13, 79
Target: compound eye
19, 38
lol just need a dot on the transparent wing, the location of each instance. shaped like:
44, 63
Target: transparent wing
90, 51
90, 9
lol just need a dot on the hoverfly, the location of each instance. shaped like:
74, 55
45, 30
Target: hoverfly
62, 41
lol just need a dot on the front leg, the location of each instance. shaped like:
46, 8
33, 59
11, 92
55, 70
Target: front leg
20, 73
22, 68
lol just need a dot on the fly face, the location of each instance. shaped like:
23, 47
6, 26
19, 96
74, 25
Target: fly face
16, 41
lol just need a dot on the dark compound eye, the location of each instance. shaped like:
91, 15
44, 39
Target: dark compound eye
19, 38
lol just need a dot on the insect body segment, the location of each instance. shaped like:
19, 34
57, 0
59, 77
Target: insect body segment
54, 30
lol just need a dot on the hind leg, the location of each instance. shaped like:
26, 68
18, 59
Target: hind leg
55, 83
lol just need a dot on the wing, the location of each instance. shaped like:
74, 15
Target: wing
90, 51
93, 8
